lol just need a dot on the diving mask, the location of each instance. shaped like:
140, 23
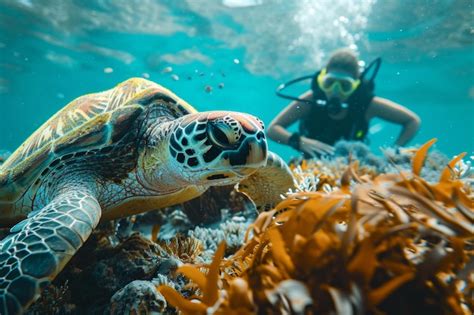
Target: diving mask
336, 83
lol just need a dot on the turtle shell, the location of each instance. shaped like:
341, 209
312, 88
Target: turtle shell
79, 119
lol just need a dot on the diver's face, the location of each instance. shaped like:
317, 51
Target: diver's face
338, 84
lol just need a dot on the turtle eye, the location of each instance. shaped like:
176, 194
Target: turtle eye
222, 134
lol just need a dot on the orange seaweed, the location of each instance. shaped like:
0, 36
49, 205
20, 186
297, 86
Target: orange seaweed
349, 248
420, 156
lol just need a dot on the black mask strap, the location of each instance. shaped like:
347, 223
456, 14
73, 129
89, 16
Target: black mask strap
375, 63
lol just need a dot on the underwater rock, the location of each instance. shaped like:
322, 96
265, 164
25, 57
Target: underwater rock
151, 217
135, 258
137, 297
168, 266
208, 207
99, 269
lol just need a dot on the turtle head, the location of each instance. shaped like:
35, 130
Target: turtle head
210, 149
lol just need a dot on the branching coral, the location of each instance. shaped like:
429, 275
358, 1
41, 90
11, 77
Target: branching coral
392, 244
187, 249
230, 231
325, 174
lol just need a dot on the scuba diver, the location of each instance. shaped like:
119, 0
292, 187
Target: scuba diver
339, 105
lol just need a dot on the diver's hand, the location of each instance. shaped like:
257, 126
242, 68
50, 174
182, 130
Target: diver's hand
314, 147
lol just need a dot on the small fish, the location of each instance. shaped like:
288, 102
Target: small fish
175, 77
167, 70
208, 89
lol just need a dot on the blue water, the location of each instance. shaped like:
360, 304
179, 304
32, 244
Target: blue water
54, 51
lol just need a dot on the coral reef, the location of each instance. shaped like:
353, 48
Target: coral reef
392, 243
324, 173
388, 234
135, 258
186, 249
231, 231
137, 297
101, 269
102, 277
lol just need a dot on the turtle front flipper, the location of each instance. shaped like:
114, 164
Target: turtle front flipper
40, 246
266, 185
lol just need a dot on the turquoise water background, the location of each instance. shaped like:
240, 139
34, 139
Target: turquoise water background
54, 51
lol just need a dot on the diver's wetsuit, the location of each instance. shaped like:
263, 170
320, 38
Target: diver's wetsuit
320, 126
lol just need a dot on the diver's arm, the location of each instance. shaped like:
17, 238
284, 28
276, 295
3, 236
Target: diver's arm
292, 113
396, 113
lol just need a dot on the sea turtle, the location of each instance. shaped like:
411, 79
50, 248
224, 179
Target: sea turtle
127, 150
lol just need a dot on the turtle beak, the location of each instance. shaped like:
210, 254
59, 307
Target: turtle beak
257, 151
240, 158
251, 155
